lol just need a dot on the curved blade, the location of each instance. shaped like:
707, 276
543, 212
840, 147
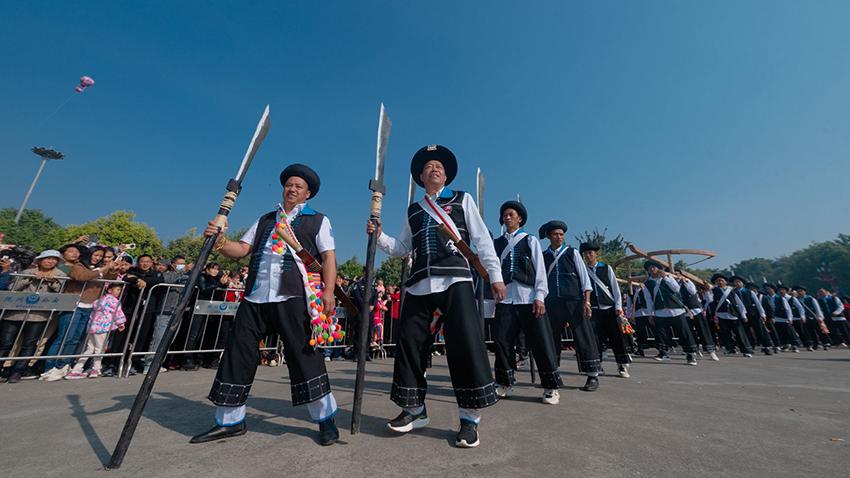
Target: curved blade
384, 127
259, 135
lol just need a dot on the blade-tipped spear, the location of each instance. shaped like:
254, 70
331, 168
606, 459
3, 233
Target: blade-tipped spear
234, 186
378, 189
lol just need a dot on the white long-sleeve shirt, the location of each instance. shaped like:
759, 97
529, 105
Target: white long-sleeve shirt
479, 236
647, 297
674, 286
518, 293
614, 288
692, 289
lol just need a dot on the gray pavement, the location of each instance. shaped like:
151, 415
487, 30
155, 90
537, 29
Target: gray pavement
787, 415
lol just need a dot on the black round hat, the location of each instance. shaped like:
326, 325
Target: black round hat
732, 279
551, 226
516, 206
433, 152
651, 262
718, 276
304, 172
766, 285
587, 246
751, 285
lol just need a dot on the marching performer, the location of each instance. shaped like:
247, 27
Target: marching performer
724, 304
277, 301
782, 319
768, 305
568, 301
700, 324
756, 316
440, 279
523, 309
798, 319
814, 319
607, 304
837, 323
641, 312
668, 312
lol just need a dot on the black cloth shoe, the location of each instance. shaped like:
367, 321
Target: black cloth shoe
406, 421
15, 377
591, 385
328, 432
766, 351
692, 359
467, 436
219, 432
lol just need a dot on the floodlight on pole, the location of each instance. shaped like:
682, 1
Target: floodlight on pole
45, 154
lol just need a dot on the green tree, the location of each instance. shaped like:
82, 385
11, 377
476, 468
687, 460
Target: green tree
189, 246
610, 250
35, 230
351, 268
390, 271
120, 227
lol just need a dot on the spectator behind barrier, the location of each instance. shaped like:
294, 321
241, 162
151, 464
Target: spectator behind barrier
29, 324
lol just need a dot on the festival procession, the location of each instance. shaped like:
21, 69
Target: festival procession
254, 337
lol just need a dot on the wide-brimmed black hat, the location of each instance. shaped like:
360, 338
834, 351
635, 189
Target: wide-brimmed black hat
751, 285
587, 246
433, 152
766, 285
800, 287
516, 206
647, 264
304, 172
732, 279
551, 226
780, 287
718, 276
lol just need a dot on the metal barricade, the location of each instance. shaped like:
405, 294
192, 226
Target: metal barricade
35, 300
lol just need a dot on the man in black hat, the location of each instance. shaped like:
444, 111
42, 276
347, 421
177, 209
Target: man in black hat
756, 315
568, 301
767, 304
724, 305
701, 326
754, 325
440, 279
276, 301
814, 324
669, 312
607, 304
523, 309
782, 320
798, 318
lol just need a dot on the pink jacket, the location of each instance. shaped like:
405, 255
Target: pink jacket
106, 315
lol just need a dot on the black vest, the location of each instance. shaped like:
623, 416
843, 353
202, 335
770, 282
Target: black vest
563, 280
830, 305
768, 306
727, 305
598, 298
518, 264
779, 309
691, 301
306, 226
809, 306
666, 298
640, 300
795, 311
747, 297
432, 255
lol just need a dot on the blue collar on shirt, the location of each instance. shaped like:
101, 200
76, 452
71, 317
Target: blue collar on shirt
305, 209
446, 193
508, 234
555, 251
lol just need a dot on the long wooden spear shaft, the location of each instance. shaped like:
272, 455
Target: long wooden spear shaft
234, 186
378, 189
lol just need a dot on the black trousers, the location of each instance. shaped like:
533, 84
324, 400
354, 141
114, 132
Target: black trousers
816, 337
642, 327
679, 326
606, 324
759, 332
728, 328
787, 335
469, 365
562, 312
770, 325
510, 320
307, 375
802, 333
701, 327
839, 331
9, 330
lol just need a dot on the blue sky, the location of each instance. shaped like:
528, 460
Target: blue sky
721, 125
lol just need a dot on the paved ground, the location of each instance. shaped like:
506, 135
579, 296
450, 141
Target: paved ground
787, 415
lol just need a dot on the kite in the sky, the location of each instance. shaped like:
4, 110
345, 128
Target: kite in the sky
85, 82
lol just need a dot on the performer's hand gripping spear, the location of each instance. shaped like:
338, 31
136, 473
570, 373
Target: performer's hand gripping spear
378, 189
234, 186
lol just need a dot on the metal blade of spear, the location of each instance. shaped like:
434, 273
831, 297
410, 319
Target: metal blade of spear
234, 186
378, 189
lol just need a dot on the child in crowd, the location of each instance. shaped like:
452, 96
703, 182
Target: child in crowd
106, 317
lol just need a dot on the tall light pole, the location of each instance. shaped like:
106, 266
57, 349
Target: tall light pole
45, 153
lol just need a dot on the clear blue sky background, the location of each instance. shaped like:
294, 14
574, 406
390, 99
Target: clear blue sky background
723, 125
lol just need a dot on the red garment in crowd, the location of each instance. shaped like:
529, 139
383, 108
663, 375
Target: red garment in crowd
395, 297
